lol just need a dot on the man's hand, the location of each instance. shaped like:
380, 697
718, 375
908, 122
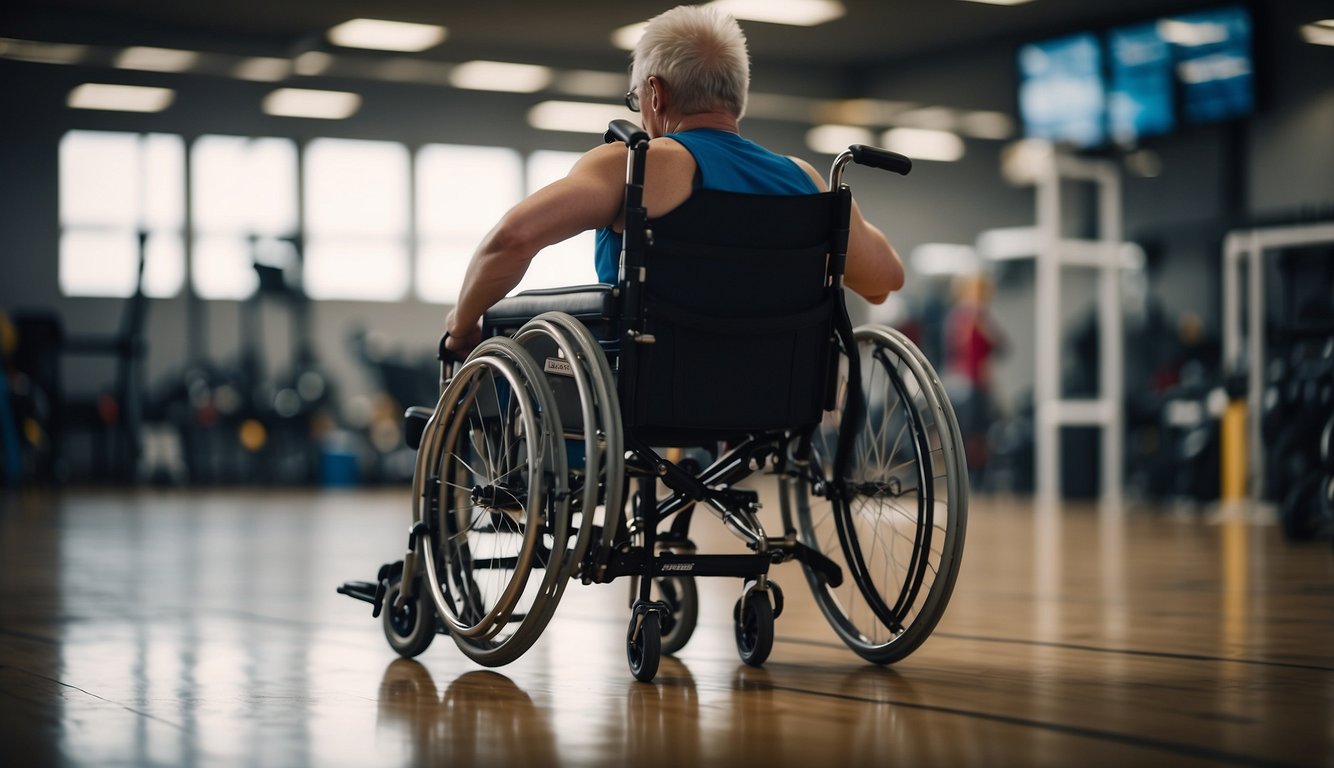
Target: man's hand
462, 338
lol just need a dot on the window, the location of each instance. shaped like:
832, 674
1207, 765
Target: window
244, 201
569, 262
356, 204
461, 193
113, 188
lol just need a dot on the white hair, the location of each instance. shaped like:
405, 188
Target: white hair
701, 55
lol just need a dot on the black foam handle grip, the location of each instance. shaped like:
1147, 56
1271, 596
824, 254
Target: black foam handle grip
880, 158
624, 131
445, 354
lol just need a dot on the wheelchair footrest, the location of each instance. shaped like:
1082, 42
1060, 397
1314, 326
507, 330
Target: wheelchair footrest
361, 590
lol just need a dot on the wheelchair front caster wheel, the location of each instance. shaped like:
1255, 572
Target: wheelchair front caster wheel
753, 618
644, 650
681, 597
409, 629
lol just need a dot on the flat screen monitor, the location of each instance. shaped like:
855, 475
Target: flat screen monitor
1140, 80
1140, 99
1213, 62
1061, 90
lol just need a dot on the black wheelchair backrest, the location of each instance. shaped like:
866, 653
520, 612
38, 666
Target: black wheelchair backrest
736, 317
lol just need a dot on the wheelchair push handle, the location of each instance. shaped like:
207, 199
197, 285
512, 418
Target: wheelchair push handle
869, 156
625, 131
880, 158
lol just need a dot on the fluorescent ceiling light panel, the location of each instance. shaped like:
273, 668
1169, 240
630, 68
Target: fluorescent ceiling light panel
575, 116
934, 118
262, 69
120, 98
1319, 32
987, 125
1000, 2
382, 35
590, 83
801, 13
40, 52
833, 139
156, 59
924, 144
627, 37
304, 102
312, 63
500, 76
1191, 33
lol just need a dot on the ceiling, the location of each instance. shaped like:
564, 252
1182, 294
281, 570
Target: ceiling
567, 34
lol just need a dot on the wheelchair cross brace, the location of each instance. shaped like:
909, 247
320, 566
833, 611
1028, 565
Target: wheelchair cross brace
736, 508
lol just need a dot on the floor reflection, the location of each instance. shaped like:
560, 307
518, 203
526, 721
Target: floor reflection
187, 629
482, 718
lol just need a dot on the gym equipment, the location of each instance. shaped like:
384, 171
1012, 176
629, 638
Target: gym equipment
542, 460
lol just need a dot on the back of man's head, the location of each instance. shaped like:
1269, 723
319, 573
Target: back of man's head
701, 55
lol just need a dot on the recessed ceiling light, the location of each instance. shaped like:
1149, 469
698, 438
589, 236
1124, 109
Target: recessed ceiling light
591, 83
833, 139
312, 63
499, 76
1319, 32
120, 98
575, 116
156, 59
1000, 2
263, 69
924, 144
801, 13
627, 37
382, 35
304, 102
40, 52
985, 124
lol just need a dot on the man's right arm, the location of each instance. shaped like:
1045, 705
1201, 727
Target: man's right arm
589, 197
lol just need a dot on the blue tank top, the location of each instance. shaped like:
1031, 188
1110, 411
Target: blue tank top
723, 161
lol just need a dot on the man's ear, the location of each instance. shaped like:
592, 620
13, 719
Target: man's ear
658, 99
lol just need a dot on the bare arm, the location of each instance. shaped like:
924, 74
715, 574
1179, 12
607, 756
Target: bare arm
588, 198
873, 267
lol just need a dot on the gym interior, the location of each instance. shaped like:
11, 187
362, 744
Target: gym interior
232, 232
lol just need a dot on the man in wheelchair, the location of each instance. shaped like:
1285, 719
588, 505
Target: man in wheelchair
720, 320
689, 80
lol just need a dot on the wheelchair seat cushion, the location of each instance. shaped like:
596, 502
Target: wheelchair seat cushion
593, 305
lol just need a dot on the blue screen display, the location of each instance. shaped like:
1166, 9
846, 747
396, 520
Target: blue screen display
1061, 93
1151, 77
1212, 52
1139, 98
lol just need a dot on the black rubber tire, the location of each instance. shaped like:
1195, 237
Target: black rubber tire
644, 652
410, 630
754, 626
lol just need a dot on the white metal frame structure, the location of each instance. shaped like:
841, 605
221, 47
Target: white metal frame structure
1248, 247
1107, 254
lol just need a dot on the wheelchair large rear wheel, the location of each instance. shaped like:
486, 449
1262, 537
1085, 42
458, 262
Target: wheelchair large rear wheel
492, 485
585, 393
894, 520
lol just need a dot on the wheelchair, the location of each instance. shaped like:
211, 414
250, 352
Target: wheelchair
552, 454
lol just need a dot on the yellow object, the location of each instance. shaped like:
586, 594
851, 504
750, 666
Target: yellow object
253, 436
1233, 470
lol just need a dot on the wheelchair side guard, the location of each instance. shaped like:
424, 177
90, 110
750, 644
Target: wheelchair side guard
414, 424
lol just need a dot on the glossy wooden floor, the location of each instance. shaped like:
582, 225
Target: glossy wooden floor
202, 628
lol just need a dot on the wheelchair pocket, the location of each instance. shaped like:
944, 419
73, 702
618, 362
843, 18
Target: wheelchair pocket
731, 374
